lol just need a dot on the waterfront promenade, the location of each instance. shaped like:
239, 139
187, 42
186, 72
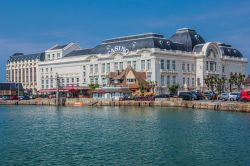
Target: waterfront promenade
216, 105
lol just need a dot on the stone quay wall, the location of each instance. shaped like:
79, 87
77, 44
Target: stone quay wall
169, 102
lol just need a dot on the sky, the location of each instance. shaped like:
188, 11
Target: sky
31, 26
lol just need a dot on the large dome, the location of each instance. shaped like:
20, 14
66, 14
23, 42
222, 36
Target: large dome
188, 37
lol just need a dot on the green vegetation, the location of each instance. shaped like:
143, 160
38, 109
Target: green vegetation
173, 89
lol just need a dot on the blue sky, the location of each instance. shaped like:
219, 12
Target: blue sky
31, 26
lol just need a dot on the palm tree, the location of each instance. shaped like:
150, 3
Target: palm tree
142, 87
239, 80
232, 80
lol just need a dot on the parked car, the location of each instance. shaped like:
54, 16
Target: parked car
233, 96
5, 98
24, 97
245, 95
197, 95
224, 96
210, 95
187, 95
13, 98
162, 96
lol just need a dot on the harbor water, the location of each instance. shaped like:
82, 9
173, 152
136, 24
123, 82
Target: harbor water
47, 135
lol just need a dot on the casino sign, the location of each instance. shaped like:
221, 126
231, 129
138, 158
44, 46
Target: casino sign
117, 49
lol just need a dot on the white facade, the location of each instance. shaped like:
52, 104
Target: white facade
184, 59
166, 67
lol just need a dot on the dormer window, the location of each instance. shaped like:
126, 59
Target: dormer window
48, 56
58, 55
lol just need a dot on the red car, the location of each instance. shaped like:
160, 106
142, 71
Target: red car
245, 95
13, 98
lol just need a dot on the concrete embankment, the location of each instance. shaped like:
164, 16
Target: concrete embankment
170, 102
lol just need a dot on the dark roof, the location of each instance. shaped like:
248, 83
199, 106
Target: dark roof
21, 56
11, 86
132, 37
59, 47
230, 51
79, 52
131, 43
188, 37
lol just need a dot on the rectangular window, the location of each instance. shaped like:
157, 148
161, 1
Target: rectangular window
173, 65
174, 80
103, 68
148, 77
207, 65
77, 79
84, 67
91, 69
142, 64
188, 81
148, 64
96, 80
162, 64
47, 69
96, 68
34, 74
188, 69
121, 66
183, 81
31, 76
129, 63
72, 80
134, 65
168, 64
192, 68
162, 80
108, 67
116, 66
183, 67
168, 80
193, 82
58, 55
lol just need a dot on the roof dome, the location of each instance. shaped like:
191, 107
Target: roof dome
188, 37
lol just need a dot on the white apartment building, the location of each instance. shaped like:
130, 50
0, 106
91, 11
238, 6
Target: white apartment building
22, 68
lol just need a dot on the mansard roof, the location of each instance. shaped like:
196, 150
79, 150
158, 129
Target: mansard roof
59, 47
132, 43
21, 56
188, 37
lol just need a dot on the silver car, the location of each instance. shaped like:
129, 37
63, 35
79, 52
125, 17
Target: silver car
233, 96
224, 96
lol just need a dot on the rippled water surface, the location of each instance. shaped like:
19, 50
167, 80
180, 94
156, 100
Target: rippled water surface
34, 135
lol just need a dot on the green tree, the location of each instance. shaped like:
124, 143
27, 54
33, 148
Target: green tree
173, 89
93, 87
142, 87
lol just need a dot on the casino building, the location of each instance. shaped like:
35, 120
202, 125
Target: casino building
185, 59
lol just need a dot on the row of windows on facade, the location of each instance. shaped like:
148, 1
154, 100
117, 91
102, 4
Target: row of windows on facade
52, 86
105, 67
166, 64
22, 65
166, 80
21, 75
61, 80
53, 56
47, 69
